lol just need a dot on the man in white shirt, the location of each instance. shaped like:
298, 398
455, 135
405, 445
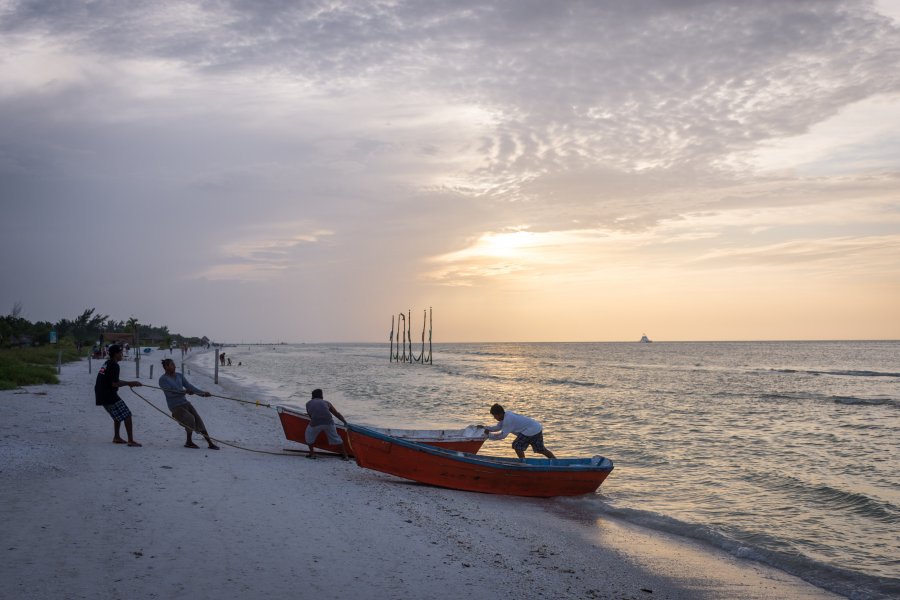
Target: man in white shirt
528, 431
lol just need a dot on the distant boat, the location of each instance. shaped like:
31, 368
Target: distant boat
645, 339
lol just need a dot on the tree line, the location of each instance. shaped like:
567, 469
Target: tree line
87, 328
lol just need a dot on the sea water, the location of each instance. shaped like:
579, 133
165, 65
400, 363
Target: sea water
787, 453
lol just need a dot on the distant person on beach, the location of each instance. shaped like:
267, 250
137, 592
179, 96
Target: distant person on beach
528, 431
222, 359
320, 413
106, 394
175, 386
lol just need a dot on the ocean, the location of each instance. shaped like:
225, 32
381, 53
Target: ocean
786, 453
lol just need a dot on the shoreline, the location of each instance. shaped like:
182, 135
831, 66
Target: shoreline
83, 518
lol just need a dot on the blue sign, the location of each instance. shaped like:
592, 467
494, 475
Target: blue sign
53, 337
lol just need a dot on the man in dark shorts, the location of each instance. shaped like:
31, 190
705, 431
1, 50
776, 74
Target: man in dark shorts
528, 431
106, 393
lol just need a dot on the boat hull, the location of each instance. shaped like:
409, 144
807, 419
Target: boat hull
294, 422
474, 473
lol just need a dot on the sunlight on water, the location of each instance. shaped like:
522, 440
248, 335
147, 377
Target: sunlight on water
783, 452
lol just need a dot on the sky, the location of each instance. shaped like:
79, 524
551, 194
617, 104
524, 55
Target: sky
527, 170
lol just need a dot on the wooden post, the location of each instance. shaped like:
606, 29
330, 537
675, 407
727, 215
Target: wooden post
59, 362
89, 363
422, 353
401, 344
397, 339
401, 337
151, 372
409, 334
137, 357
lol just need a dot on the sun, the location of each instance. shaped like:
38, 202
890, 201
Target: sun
505, 244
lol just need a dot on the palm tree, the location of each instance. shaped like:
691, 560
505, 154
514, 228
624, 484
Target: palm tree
87, 324
133, 326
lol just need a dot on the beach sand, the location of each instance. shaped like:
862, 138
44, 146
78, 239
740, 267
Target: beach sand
81, 517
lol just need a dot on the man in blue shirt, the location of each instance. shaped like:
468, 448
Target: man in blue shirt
175, 386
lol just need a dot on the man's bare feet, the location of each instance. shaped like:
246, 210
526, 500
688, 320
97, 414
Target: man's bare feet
190, 445
119, 441
213, 446
134, 444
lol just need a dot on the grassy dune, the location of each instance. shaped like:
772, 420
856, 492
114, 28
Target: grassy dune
32, 366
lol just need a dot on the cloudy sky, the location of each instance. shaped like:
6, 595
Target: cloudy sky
531, 170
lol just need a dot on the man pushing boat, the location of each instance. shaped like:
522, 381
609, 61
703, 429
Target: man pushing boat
321, 420
528, 431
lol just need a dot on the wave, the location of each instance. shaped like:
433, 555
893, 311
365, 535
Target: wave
479, 375
848, 400
485, 353
839, 373
761, 548
832, 498
576, 383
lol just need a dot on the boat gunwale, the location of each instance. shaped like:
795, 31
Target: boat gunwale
470, 433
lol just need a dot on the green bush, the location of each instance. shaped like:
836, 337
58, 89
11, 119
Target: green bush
32, 366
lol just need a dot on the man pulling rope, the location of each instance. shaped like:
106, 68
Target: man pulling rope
255, 402
223, 442
175, 386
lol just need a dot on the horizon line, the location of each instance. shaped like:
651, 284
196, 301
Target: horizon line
655, 341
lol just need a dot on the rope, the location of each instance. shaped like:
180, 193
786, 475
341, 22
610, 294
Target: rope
168, 416
256, 402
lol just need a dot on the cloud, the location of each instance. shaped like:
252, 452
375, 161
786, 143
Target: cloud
411, 140
832, 256
261, 256
631, 88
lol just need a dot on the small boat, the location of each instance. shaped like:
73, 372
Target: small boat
541, 477
295, 421
645, 339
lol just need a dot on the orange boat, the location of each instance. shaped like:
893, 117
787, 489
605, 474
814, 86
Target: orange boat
476, 473
295, 421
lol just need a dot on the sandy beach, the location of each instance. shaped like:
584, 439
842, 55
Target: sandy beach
81, 517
